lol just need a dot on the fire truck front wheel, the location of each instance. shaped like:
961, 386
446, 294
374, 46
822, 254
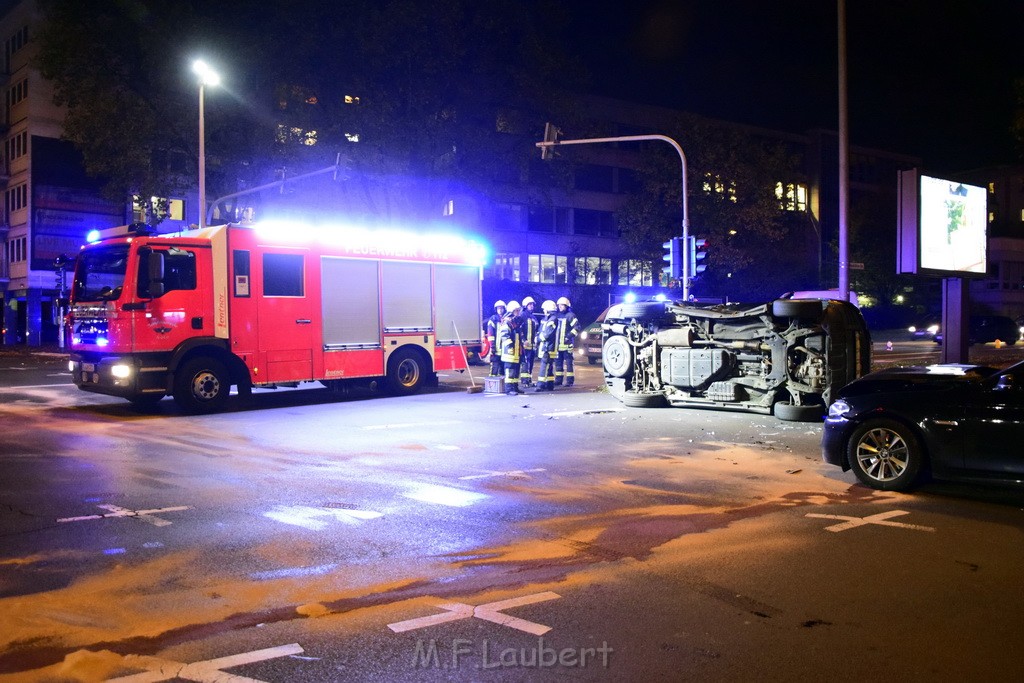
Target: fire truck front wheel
201, 385
406, 372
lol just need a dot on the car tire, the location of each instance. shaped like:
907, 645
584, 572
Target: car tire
885, 454
406, 372
617, 355
790, 412
202, 386
643, 399
802, 309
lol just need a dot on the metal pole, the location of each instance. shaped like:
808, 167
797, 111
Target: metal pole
682, 161
202, 161
844, 162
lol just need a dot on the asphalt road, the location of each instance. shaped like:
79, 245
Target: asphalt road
460, 536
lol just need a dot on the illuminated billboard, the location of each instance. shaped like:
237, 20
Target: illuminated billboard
943, 227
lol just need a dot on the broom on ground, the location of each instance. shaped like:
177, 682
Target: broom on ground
473, 388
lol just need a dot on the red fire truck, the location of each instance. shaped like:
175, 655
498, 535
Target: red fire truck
190, 314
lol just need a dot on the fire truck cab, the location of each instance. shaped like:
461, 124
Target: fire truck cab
191, 314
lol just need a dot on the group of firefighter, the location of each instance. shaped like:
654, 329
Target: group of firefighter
517, 337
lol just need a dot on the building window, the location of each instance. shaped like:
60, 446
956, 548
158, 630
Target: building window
16, 198
597, 223
506, 267
15, 43
715, 185
16, 146
791, 196
592, 270
547, 268
548, 219
17, 250
17, 92
293, 135
595, 178
508, 216
635, 273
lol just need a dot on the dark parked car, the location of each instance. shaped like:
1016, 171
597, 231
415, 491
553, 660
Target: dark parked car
588, 341
952, 421
988, 328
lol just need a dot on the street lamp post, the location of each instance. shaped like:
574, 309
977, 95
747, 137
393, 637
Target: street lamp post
207, 76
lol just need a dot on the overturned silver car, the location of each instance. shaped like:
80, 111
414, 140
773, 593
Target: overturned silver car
785, 357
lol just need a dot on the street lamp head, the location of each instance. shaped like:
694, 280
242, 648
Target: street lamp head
207, 75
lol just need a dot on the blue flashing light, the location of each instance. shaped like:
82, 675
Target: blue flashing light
92, 236
629, 298
660, 297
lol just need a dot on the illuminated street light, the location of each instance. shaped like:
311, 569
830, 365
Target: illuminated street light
207, 76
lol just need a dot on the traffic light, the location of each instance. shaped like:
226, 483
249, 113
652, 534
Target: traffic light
674, 255
551, 134
698, 254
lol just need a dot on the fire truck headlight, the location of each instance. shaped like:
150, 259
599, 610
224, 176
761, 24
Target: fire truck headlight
121, 371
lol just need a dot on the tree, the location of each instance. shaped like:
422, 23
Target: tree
756, 251
419, 84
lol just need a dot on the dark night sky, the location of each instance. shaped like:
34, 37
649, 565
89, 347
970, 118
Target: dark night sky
932, 78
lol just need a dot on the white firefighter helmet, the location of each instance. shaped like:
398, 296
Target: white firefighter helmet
548, 306
527, 301
563, 301
513, 306
499, 304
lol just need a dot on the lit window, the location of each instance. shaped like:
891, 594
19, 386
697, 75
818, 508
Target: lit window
715, 184
635, 273
593, 270
449, 208
992, 188
309, 138
791, 196
351, 99
352, 137
547, 268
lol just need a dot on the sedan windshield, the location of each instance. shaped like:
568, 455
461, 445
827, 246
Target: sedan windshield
99, 275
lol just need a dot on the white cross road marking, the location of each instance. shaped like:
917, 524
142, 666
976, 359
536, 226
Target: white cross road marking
454, 611
510, 473
310, 517
116, 511
881, 519
405, 425
208, 671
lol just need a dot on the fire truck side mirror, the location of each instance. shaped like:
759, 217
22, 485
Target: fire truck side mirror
153, 269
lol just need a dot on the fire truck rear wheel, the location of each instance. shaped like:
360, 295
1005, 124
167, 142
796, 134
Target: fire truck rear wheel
201, 385
406, 371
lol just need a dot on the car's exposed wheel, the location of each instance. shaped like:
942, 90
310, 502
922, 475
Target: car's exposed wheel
790, 412
201, 385
885, 454
617, 356
643, 399
406, 372
803, 309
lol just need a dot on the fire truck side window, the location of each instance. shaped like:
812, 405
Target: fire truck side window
282, 275
179, 270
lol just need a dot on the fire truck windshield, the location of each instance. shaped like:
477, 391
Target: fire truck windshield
99, 275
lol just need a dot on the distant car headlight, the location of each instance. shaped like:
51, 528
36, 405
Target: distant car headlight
838, 410
583, 335
933, 329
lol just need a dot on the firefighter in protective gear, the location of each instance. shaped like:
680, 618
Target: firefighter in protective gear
546, 350
565, 339
510, 347
491, 328
529, 336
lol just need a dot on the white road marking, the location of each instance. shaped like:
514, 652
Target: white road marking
881, 519
116, 511
510, 473
312, 517
406, 425
577, 413
445, 495
158, 669
492, 611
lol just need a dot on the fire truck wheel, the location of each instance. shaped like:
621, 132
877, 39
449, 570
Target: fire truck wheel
201, 385
406, 371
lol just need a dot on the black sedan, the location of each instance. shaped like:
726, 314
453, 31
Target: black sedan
952, 421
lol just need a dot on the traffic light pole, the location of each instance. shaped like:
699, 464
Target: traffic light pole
550, 141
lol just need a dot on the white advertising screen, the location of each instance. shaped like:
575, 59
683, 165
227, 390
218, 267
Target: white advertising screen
954, 219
